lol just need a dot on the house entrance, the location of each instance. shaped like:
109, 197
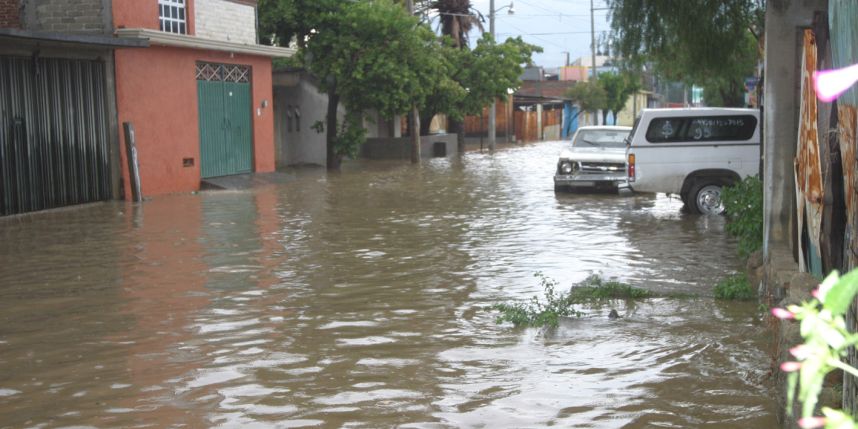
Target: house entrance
226, 145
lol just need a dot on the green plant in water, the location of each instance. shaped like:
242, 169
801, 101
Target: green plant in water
826, 341
743, 203
594, 287
735, 288
537, 313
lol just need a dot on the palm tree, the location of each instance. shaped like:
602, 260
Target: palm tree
456, 19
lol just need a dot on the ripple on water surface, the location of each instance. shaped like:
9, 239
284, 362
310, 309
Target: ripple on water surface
361, 299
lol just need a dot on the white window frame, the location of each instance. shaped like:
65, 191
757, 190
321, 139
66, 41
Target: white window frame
173, 16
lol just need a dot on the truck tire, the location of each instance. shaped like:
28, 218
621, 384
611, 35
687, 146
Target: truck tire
705, 198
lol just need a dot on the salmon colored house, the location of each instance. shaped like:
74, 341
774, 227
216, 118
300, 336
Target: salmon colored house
199, 97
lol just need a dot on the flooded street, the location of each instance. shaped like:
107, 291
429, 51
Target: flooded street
361, 299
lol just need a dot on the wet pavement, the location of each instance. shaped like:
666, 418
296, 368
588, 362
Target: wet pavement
361, 299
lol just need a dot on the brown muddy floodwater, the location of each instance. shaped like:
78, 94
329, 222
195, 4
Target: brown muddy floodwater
362, 299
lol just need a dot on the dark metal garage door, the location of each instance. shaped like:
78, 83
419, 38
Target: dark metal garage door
53, 134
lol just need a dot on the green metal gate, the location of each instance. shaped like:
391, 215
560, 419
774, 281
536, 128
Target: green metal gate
226, 142
53, 133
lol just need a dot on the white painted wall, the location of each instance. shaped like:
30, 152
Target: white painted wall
225, 20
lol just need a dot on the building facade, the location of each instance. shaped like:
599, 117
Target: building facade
200, 97
58, 133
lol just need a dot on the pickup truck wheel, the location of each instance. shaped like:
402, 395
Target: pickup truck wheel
705, 198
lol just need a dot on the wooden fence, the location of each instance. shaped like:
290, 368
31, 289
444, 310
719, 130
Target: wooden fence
524, 124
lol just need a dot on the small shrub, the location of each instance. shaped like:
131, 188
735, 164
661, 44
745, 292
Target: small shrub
743, 203
735, 288
537, 313
594, 287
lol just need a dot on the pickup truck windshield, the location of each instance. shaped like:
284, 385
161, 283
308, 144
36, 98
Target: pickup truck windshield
600, 138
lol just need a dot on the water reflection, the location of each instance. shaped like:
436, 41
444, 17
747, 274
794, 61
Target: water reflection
359, 299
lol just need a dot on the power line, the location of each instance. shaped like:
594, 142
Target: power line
537, 37
551, 34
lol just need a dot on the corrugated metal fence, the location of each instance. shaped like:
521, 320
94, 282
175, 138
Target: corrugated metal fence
53, 133
843, 44
826, 164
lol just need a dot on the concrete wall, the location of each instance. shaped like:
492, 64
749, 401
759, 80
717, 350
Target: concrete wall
784, 21
166, 115
9, 14
400, 148
634, 105
64, 16
225, 20
294, 93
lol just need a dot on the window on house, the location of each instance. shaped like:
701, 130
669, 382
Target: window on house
173, 16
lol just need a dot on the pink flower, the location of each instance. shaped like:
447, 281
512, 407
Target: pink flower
782, 314
811, 422
816, 294
801, 351
790, 366
829, 84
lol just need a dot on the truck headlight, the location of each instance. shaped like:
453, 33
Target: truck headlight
569, 167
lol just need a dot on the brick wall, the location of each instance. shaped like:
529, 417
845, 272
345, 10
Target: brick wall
9, 14
225, 20
64, 16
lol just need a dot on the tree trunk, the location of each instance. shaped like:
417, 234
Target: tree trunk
334, 159
457, 128
425, 122
732, 97
415, 136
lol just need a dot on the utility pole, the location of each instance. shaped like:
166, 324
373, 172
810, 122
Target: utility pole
492, 108
593, 39
415, 115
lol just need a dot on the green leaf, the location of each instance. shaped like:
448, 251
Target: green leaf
835, 419
841, 294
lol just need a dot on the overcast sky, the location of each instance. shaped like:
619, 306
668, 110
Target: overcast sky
559, 26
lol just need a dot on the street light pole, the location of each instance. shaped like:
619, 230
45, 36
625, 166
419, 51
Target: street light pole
492, 108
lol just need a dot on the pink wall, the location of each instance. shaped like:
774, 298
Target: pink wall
156, 90
577, 73
144, 14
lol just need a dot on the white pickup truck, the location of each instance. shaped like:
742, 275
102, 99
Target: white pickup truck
693, 153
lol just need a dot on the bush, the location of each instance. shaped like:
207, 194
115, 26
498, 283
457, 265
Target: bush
743, 203
594, 287
735, 288
537, 313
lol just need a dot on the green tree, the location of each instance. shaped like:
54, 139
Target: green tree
712, 43
618, 88
589, 96
367, 55
476, 77
282, 20
456, 20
